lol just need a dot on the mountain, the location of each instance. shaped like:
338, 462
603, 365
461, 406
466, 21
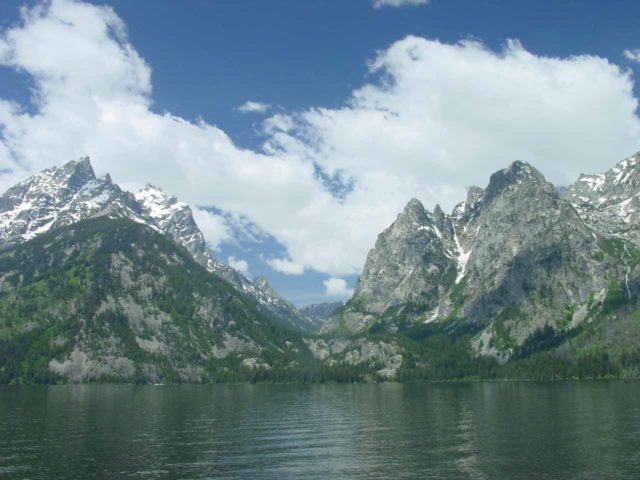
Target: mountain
285, 312
511, 261
610, 202
114, 300
57, 197
519, 280
60, 196
320, 312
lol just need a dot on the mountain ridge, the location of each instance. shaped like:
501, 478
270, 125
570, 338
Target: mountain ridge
59, 196
519, 280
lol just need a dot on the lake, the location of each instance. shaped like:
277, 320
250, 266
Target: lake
477, 430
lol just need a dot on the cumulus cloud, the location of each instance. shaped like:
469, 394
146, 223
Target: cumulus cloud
436, 118
633, 55
337, 287
253, 107
213, 226
240, 265
285, 266
398, 3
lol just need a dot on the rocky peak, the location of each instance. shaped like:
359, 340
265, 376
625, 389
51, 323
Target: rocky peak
414, 213
406, 266
604, 189
77, 172
54, 197
517, 176
610, 202
176, 219
156, 201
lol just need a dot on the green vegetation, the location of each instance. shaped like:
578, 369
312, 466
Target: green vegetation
107, 286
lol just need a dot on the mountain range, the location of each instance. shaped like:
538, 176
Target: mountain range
100, 284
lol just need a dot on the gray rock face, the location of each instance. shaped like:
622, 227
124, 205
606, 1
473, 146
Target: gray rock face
508, 260
64, 195
531, 259
404, 274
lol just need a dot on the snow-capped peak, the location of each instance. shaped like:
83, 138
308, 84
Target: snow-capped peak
52, 198
610, 201
64, 195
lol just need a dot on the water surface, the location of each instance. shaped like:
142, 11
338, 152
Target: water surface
483, 430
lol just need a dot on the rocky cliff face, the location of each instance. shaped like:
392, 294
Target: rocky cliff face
507, 261
64, 195
404, 275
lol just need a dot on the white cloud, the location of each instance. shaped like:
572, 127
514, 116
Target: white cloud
285, 266
442, 116
398, 3
213, 227
633, 55
337, 287
240, 265
253, 107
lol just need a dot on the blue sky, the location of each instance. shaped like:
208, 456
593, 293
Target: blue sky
311, 62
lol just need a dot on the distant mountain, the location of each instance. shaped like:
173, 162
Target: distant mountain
64, 195
610, 202
320, 312
511, 261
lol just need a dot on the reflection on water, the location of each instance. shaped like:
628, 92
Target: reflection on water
441, 430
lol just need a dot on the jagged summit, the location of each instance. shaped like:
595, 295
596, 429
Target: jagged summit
63, 195
517, 174
414, 205
52, 198
414, 213
610, 201
608, 188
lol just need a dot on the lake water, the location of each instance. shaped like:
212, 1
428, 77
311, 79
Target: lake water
492, 430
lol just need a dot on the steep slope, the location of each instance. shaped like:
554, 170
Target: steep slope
111, 299
60, 196
509, 260
533, 261
283, 311
403, 277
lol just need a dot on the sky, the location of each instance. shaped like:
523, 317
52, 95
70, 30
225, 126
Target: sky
299, 129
